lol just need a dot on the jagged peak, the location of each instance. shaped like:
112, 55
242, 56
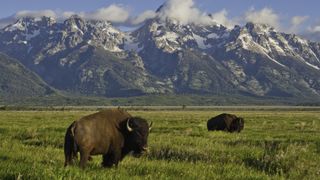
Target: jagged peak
258, 28
19, 24
74, 19
75, 22
81, 22
30, 19
160, 8
24, 22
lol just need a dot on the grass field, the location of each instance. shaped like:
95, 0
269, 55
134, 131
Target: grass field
273, 145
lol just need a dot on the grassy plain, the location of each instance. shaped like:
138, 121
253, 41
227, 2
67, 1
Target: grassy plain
274, 145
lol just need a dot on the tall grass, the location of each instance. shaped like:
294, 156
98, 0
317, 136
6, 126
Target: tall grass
274, 145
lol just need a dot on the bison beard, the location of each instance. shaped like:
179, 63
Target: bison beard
112, 133
225, 122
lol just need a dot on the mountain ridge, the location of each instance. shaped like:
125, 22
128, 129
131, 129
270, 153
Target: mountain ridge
164, 57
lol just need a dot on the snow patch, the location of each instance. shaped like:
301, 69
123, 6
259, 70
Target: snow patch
314, 55
213, 36
201, 42
276, 46
171, 36
245, 40
311, 65
168, 42
29, 49
113, 49
130, 44
16, 26
274, 60
110, 30
249, 44
77, 29
302, 41
187, 38
34, 34
23, 42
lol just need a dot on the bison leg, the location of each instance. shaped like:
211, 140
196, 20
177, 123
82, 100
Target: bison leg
116, 157
106, 160
111, 159
84, 156
73, 158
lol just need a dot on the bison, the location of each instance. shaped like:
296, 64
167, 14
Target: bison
225, 122
112, 133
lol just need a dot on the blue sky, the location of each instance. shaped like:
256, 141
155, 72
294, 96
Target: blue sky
235, 7
282, 11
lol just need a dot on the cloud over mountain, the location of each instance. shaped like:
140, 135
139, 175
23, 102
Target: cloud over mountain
149, 14
182, 11
296, 22
113, 13
221, 17
263, 16
25, 13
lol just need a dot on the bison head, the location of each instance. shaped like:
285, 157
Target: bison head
237, 124
241, 124
138, 131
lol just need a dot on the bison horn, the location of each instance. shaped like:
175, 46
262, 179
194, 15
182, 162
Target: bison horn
146, 149
150, 126
128, 126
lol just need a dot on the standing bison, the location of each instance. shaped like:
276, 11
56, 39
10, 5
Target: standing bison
225, 122
113, 133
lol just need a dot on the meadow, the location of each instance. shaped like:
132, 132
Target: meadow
275, 144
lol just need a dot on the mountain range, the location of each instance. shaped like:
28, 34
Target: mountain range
41, 56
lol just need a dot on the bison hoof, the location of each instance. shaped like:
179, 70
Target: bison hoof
90, 158
107, 165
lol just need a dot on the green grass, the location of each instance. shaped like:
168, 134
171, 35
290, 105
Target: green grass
273, 145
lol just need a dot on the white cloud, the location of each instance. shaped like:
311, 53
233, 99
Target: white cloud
66, 14
314, 28
221, 17
312, 31
112, 13
296, 22
143, 17
183, 11
263, 16
36, 14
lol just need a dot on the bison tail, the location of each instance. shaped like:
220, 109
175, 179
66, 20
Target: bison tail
70, 147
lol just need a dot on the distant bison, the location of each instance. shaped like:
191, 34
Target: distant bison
225, 122
113, 133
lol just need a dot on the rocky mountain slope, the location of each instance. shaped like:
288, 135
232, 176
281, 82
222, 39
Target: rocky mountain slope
78, 56
254, 59
18, 82
164, 57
